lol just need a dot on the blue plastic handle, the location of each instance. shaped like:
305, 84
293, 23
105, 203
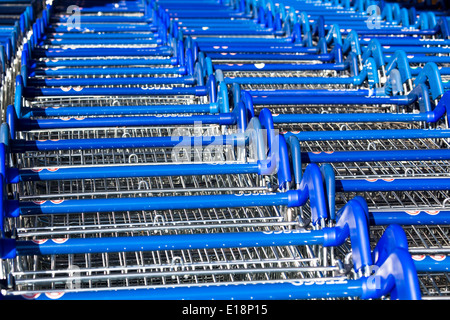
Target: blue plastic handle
195, 91
430, 73
150, 203
121, 110
353, 222
296, 159
277, 153
19, 146
396, 272
112, 52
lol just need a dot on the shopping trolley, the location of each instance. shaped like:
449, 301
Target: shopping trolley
196, 183
177, 68
266, 25
207, 9
195, 204
292, 71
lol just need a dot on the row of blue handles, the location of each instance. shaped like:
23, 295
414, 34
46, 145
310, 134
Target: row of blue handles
26, 248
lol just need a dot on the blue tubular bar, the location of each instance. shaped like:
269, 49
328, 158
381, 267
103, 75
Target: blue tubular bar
311, 188
125, 7
104, 28
95, 36
255, 56
281, 67
108, 62
346, 97
353, 117
230, 31
308, 93
283, 48
393, 262
61, 82
129, 41
430, 263
116, 19
228, 41
352, 223
108, 71
293, 80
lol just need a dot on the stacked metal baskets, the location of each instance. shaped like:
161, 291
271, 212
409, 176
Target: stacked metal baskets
225, 149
